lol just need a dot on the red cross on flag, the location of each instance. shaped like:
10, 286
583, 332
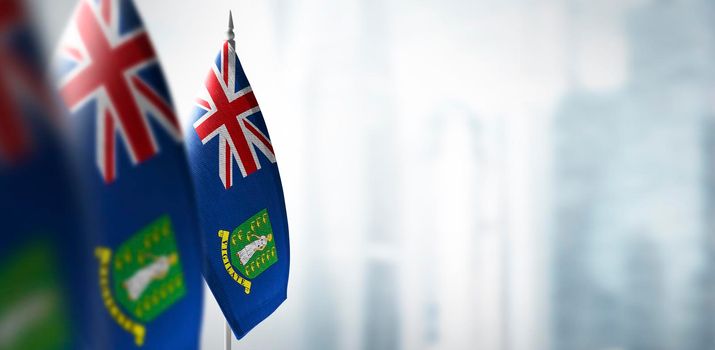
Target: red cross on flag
22, 80
227, 111
104, 62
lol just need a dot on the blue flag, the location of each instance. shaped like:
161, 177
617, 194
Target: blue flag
41, 265
147, 290
239, 196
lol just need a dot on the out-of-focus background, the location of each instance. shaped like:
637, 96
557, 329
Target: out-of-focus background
484, 174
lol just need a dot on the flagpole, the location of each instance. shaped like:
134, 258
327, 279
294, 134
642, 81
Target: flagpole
227, 336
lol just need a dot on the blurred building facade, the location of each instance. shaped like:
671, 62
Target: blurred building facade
631, 264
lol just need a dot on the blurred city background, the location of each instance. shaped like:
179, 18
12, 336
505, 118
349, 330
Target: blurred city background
484, 174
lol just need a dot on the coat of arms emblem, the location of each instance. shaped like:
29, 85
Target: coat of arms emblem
249, 248
146, 277
34, 312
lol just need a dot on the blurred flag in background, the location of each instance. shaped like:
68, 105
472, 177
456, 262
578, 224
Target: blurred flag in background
239, 195
41, 238
147, 289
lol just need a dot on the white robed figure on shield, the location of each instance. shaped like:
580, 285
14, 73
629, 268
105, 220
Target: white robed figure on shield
259, 244
140, 280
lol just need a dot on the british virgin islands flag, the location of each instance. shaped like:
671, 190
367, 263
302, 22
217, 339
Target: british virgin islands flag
147, 291
41, 268
239, 195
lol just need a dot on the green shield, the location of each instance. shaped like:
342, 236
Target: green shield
33, 302
253, 247
147, 274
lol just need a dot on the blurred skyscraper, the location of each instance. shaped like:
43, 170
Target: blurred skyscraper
383, 251
630, 215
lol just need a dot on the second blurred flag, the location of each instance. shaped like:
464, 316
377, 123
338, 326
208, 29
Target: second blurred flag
126, 138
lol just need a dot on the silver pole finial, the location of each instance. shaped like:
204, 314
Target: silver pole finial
229, 33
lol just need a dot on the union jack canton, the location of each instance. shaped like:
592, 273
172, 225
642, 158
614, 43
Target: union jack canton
20, 81
107, 58
226, 107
